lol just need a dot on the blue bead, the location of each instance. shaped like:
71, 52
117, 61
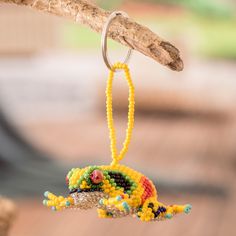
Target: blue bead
169, 216
125, 205
67, 203
46, 194
188, 208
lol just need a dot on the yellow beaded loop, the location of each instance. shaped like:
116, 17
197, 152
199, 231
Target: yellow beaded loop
115, 156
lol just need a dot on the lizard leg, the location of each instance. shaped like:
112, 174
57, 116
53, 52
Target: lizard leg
57, 202
175, 209
154, 210
147, 210
104, 214
162, 212
118, 204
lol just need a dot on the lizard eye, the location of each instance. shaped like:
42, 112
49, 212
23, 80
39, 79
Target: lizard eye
96, 176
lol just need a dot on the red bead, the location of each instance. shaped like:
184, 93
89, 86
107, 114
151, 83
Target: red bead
67, 180
96, 176
148, 189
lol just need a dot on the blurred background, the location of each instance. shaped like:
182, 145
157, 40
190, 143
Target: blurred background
52, 115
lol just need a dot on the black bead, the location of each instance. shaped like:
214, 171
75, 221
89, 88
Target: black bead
157, 213
162, 209
73, 191
150, 205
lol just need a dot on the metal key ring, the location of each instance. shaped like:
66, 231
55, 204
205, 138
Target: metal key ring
106, 59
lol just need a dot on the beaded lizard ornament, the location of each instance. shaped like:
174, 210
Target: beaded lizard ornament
115, 190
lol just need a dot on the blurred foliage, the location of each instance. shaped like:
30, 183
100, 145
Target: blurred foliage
209, 7
109, 4
83, 38
217, 39
202, 7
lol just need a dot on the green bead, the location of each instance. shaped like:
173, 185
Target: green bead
46, 194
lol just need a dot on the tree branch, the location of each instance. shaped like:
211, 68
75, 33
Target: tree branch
7, 214
123, 30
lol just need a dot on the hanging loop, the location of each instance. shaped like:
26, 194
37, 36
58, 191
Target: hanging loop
117, 156
105, 30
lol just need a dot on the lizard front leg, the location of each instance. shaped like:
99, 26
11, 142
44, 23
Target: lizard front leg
57, 202
118, 206
104, 214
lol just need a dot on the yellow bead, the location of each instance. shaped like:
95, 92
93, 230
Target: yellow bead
110, 121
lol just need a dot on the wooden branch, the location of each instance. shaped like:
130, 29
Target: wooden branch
7, 214
123, 30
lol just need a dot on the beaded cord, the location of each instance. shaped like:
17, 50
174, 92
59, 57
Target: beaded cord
115, 156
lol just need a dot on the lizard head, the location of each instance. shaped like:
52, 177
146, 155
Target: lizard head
84, 180
86, 186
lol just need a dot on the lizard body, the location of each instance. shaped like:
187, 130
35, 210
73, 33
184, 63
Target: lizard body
116, 191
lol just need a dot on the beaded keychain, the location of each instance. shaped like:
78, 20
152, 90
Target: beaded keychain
115, 190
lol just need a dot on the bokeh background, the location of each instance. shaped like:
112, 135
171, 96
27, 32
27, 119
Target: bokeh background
52, 116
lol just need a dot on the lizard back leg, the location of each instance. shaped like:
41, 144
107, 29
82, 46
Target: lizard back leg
152, 210
147, 210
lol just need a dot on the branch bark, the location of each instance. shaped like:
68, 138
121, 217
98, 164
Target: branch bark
7, 214
123, 30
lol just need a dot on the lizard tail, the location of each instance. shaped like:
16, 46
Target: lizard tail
168, 212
